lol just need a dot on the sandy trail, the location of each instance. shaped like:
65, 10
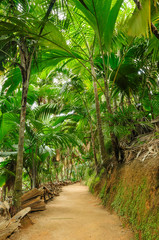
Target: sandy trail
75, 215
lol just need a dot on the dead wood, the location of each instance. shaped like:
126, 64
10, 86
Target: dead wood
143, 147
7, 227
30, 194
33, 199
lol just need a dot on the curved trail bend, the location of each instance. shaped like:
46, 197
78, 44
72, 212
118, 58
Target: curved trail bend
75, 215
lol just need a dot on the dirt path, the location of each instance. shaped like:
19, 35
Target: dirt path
74, 215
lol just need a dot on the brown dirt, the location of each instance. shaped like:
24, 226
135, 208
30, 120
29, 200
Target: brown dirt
75, 215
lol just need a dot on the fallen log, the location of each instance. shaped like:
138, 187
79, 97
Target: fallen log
33, 199
47, 194
30, 194
47, 190
36, 204
7, 227
38, 207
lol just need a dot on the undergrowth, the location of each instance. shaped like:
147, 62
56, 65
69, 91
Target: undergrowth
133, 202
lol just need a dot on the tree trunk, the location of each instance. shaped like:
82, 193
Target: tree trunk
151, 106
62, 168
115, 105
3, 193
33, 171
93, 146
62, 174
57, 178
99, 121
92, 134
19, 166
25, 68
36, 166
67, 164
129, 101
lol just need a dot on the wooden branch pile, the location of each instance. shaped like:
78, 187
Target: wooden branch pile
56, 187
9, 225
47, 194
33, 199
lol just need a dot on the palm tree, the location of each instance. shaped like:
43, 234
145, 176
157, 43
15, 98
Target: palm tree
19, 33
101, 22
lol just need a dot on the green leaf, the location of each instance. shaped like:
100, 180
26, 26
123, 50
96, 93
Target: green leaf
2, 180
52, 38
101, 15
9, 123
109, 28
140, 22
12, 81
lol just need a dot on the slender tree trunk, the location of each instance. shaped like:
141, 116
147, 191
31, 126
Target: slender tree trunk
67, 164
122, 103
115, 105
62, 168
19, 166
152, 112
57, 177
25, 68
73, 164
129, 101
114, 139
36, 177
33, 175
65, 168
99, 121
93, 146
33, 171
62, 174
92, 134
4, 193
71, 167
1, 194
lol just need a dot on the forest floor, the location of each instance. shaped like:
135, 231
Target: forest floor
75, 215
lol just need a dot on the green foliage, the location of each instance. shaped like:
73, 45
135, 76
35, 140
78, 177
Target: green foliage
92, 179
141, 20
101, 15
2, 180
102, 193
88, 173
7, 171
131, 202
131, 119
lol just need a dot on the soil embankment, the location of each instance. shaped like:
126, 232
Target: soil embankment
132, 190
75, 215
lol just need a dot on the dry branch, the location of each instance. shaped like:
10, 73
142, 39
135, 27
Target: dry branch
33, 199
7, 227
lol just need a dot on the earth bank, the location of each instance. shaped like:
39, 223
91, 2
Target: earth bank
132, 190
